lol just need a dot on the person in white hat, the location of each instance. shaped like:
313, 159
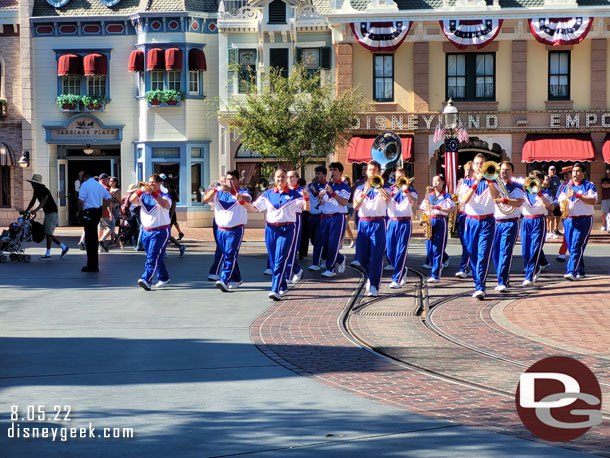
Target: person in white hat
49, 207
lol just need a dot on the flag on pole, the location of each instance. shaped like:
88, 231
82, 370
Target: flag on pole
462, 134
451, 149
439, 133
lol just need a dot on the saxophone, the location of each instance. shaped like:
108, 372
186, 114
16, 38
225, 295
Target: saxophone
453, 216
426, 217
565, 204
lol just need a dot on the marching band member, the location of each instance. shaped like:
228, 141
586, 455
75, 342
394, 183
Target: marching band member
294, 271
156, 228
399, 228
437, 204
371, 203
580, 195
478, 202
566, 173
215, 268
281, 204
334, 218
507, 225
465, 265
230, 218
315, 217
533, 227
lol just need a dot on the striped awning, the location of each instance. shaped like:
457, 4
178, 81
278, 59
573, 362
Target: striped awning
560, 31
381, 36
471, 32
6, 157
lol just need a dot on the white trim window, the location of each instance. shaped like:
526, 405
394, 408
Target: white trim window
96, 85
194, 82
173, 80
70, 84
156, 80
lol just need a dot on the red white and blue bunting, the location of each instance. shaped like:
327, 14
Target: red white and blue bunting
381, 36
561, 31
478, 33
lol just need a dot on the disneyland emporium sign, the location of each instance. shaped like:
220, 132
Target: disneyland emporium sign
499, 121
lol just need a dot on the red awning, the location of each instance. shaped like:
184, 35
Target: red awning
155, 59
561, 147
606, 148
69, 64
359, 149
197, 60
173, 59
136, 61
95, 64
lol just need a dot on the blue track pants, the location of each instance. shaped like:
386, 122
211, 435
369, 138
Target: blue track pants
154, 243
504, 242
397, 241
370, 248
479, 235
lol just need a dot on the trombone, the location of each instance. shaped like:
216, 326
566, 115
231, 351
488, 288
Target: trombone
403, 183
531, 185
491, 172
375, 182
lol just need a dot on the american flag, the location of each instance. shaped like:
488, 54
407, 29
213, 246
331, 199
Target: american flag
462, 135
439, 133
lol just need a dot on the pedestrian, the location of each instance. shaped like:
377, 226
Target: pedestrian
49, 207
605, 187
173, 194
156, 225
93, 198
106, 225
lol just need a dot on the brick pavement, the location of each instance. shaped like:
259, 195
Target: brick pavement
303, 334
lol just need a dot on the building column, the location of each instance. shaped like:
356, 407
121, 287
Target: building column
344, 66
518, 99
599, 59
421, 83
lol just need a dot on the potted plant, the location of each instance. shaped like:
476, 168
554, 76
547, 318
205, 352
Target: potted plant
94, 102
173, 97
155, 97
68, 102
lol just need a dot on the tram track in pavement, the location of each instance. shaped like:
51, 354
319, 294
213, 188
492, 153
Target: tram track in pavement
425, 312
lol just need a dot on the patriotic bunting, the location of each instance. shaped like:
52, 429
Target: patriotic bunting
381, 36
464, 33
451, 145
561, 31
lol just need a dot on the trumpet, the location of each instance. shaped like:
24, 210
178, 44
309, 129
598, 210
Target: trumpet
141, 183
491, 172
531, 185
403, 183
375, 182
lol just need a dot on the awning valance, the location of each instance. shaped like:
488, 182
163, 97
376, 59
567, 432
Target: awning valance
173, 59
606, 149
155, 59
136, 61
6, 157
69, 64
197, 60
560, 147
560, 31
359, 149
471, 32
95, 64
381, 36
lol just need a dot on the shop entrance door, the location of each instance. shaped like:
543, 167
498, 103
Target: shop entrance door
94, 167
62, 192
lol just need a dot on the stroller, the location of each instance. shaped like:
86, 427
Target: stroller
13, 240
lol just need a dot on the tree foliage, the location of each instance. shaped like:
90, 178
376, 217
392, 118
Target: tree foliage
294, 119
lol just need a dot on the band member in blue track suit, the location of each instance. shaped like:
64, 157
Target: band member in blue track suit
580, 195
231, 219
281, 204
535, 207
371, 201
465, 265
478, 203
315, 216
507, 225
215, 268
399, 228
156, 227
294, 271
437, 204
334, 197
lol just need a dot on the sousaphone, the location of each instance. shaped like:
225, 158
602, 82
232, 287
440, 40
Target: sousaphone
386, 149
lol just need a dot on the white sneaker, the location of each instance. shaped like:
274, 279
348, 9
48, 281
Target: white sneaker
282, 293
353, 244
404, 280
579, 277
354, 263
478, 294
535, 279
501, 288
161, 284
144, 284
234, 285
526, 283
213, 277
372, 292
268, 271
395, 285
389, 267
569, 277
367, 287
433, 280
275, 296
222, 286
297, 277
461, 274
341, 267
314, 267
554, 236
426, 266
328, 273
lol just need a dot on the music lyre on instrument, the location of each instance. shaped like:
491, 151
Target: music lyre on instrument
491, 172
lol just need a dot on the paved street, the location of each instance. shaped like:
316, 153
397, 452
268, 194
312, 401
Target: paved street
196, 372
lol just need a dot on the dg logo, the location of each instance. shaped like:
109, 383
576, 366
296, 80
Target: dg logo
559, 399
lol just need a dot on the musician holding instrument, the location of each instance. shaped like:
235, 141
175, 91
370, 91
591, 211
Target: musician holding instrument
230, 218
537, 203
294, 273
334, 198
577, 200
508, 210
478, 203
465, 264
371, 201
398, 232
437, 204
315, 216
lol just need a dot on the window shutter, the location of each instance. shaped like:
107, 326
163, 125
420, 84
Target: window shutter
325, 57
299, 55
232, 74
277, 12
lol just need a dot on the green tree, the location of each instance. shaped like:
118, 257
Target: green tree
294, 119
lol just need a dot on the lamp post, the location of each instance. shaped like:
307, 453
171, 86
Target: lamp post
24, 160
453, 133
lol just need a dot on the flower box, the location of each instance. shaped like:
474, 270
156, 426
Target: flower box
69, 108
95, 108
164, 98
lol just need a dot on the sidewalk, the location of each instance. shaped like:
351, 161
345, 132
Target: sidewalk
179, 367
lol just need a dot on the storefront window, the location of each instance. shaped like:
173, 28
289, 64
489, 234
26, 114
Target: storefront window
166, 152
5, 186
